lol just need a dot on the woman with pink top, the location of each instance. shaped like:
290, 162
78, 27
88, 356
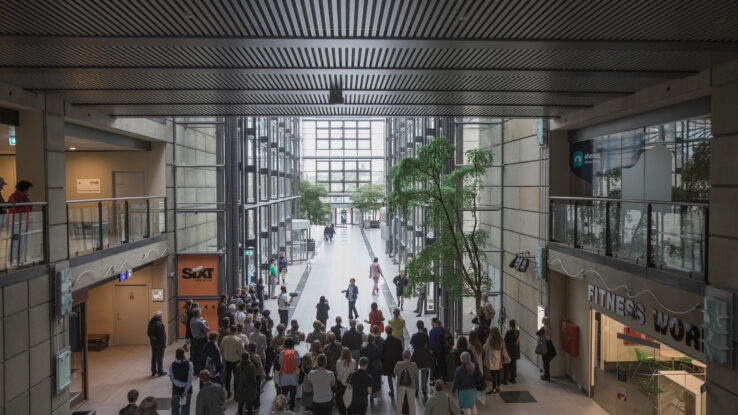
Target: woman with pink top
375, 271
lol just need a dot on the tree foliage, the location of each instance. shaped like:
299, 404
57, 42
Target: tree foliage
368, 198
311, 207
458, 249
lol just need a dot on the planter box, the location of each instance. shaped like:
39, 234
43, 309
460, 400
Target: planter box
374, 224
311, 246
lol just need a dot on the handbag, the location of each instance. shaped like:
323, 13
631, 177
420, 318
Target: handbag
348, 394
541, 347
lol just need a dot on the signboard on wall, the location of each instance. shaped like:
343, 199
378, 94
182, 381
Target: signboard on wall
63, 369
88, 185
197, 275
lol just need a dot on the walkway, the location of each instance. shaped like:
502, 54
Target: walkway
334, 264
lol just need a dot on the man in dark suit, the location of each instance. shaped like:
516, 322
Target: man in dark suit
158, 340
391, 354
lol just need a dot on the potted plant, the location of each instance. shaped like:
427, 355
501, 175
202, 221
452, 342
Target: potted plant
312, 208
368, 199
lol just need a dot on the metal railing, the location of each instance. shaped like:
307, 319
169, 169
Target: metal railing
95, 224
670, 236
22, 235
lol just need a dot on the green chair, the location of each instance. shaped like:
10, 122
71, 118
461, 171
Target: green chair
643, 358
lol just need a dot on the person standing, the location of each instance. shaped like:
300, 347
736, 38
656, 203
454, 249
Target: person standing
373, 353
223, 307
351, 292
260, 373
495, 356
465, 383
317, 334
181, 372
353, 340
184, 318
288, 375
158, 340
3, 183
338, 329
260, 294
512, 344
283, 303
441, 403
322, 310
283, 268
332, 351
344, 367
245, 385
391, 354
326, 232
332, 231
240, 315
406, 373
211, 398
200, 331
259, 339
376, 319
487, 312
211, 360
375, 271
361, 382
231, 348
422, 355
422, 296
273, 278
132, 396
397, 324
400, 283
544, 336
323, 381
437, 338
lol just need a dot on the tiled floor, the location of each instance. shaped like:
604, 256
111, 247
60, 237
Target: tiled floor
118, 369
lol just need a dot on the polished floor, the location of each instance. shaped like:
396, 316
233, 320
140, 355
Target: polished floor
117, 369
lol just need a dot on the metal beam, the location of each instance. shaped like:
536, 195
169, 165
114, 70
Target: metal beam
369, 43
272, 71
310, 105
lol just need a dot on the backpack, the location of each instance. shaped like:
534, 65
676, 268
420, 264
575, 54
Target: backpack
289, 362
183, 318
405, 379
448, 341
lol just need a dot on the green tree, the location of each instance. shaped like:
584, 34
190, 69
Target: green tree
311, 207
368, 199
446, 197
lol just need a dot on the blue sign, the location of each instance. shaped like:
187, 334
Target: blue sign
123, 276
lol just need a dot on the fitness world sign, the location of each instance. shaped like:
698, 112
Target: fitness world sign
663, 322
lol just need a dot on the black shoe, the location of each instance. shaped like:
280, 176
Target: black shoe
512, 380
161, 374
490, 392
547, 379
402, 307
419, 315
415, 311
153, 375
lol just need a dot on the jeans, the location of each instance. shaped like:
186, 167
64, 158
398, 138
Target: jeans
157, 359
290, 391
496, 378
511, 370
284, 316
323, 408
181, 410
421, 305
439, 365
402, 391
423, 380
261, 304
352, 309
229, 366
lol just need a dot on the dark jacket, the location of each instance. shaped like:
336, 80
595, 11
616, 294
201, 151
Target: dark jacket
352, 339
512, 343
391, 354
211, 350
421, 350
463, 380
332, 353
222, 310
129, 409
210, 400
322, 313
244, 386
457, 355
337, 331
374, 354
157, 334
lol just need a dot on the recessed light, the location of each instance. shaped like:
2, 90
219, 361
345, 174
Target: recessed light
72, 148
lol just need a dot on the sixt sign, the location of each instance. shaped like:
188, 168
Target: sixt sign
199, 272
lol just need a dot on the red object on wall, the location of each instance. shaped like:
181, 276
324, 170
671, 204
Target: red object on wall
633, 333
570, 338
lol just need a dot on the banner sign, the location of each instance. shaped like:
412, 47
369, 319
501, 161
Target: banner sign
198, 275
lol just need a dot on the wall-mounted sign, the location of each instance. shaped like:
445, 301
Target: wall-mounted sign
198, 275
63, 289
718, 333
63, 369
11, 135
157, 295
125, 275
248, 251
541, 262
541, 132
88, 185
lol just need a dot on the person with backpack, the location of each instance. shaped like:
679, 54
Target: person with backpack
422, 355
246, 385
391, 355
374, 354
287, 377
495, 355
406, 373
376, 318
322, 310
466, 377
438, 338
512, 343
283, 268
401, 282
344, 367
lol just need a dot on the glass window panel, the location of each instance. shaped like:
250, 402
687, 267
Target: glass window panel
364, 133
323, 177
322, 133
364, 153
336, 124
336, 187
336, 177
323, 153
351, 153
336, 144
350, 176
322, 165
336, 133
323, 144
350, 144
364, 177
349, 124
364, 124
336, 165
364, 144
364, 165
350, 133
350, 187
377, 165
323, 124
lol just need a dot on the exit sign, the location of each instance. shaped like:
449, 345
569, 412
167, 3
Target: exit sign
248, 252
11, 140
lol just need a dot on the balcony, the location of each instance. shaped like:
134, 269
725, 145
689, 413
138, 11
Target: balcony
661, 235
96, 224
22, 235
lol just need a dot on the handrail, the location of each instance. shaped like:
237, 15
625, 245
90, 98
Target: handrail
114, 199
610, 199
6, 204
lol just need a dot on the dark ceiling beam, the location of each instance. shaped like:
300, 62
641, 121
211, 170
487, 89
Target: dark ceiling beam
347, 71
325, 42
355, 92
311, 105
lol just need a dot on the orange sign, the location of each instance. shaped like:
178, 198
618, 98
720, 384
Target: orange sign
198, 275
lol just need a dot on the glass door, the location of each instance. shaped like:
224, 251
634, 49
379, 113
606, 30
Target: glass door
78, 343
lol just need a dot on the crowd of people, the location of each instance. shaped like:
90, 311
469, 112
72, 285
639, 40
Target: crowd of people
343, 366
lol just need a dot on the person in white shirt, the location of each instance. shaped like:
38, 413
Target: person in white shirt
244, 338
259, 339
241, 314
283, 302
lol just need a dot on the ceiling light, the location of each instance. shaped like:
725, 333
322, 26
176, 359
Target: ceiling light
72, 148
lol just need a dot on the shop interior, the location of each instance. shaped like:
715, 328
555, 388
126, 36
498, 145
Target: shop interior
635, 374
